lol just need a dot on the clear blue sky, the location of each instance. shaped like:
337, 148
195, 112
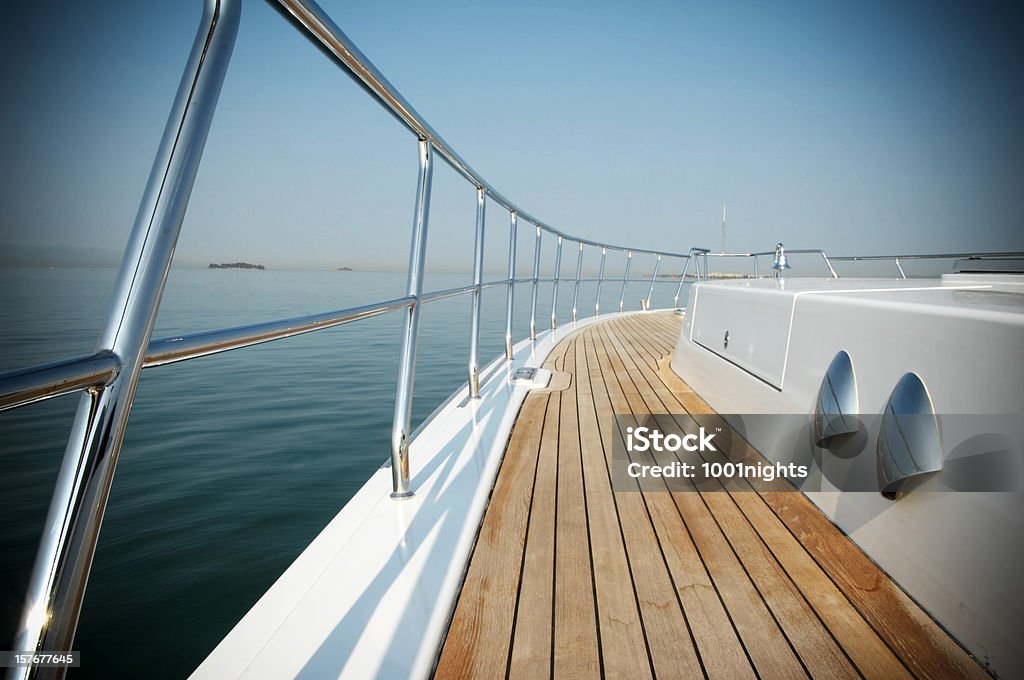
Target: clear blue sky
861, 127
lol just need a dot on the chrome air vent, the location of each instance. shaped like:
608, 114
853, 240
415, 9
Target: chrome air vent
836, 408
908, 449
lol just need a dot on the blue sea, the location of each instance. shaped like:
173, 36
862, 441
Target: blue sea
232, 463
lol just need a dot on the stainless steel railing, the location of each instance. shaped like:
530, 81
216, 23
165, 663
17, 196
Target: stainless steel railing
109, 376
753, 257
897, 260
57, 583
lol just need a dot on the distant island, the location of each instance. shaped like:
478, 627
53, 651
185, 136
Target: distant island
236, 265
343, 269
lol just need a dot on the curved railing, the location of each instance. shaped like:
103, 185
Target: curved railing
897, 260
109, 376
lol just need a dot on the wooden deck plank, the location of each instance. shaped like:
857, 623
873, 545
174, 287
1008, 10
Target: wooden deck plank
760, 529
572, 576
624, 650
764, 642
531, 648
725, 540
664, 323
920, 643
576, 652
481, 628
672, 651
927, 650
481, 620
720, 649
531, 645
655, 345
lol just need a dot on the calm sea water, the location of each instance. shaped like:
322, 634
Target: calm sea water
233, 463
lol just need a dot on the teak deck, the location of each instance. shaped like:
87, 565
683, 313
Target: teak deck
569, 579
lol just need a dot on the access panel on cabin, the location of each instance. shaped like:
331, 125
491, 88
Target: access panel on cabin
747, 326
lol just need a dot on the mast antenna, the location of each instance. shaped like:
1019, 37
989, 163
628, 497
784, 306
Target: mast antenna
725, 217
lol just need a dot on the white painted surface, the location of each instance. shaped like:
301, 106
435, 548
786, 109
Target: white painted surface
757, 322
372, 595
956, 553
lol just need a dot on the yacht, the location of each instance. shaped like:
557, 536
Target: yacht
782, 474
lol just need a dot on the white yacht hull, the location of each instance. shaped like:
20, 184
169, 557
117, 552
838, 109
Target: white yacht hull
955, 552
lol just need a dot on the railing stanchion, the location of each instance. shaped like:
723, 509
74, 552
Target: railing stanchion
58, 579
657, 266
478, 277
682, 278
600, 280
511, 296
536, 279
554, 289
900, 267
401, 426
625, 278
755, 267
576, 287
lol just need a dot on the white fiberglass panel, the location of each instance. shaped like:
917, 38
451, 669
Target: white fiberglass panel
748, 326
964, 337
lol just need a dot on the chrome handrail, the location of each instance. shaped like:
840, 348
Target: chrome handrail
401, 425
478, 275
625, 279
329, 36
554, 280
896, 259
791, 251
535, 283
703, 252
175, 348
510, 294
654, 279
927, 256
36, 383
110, 375
57, 582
